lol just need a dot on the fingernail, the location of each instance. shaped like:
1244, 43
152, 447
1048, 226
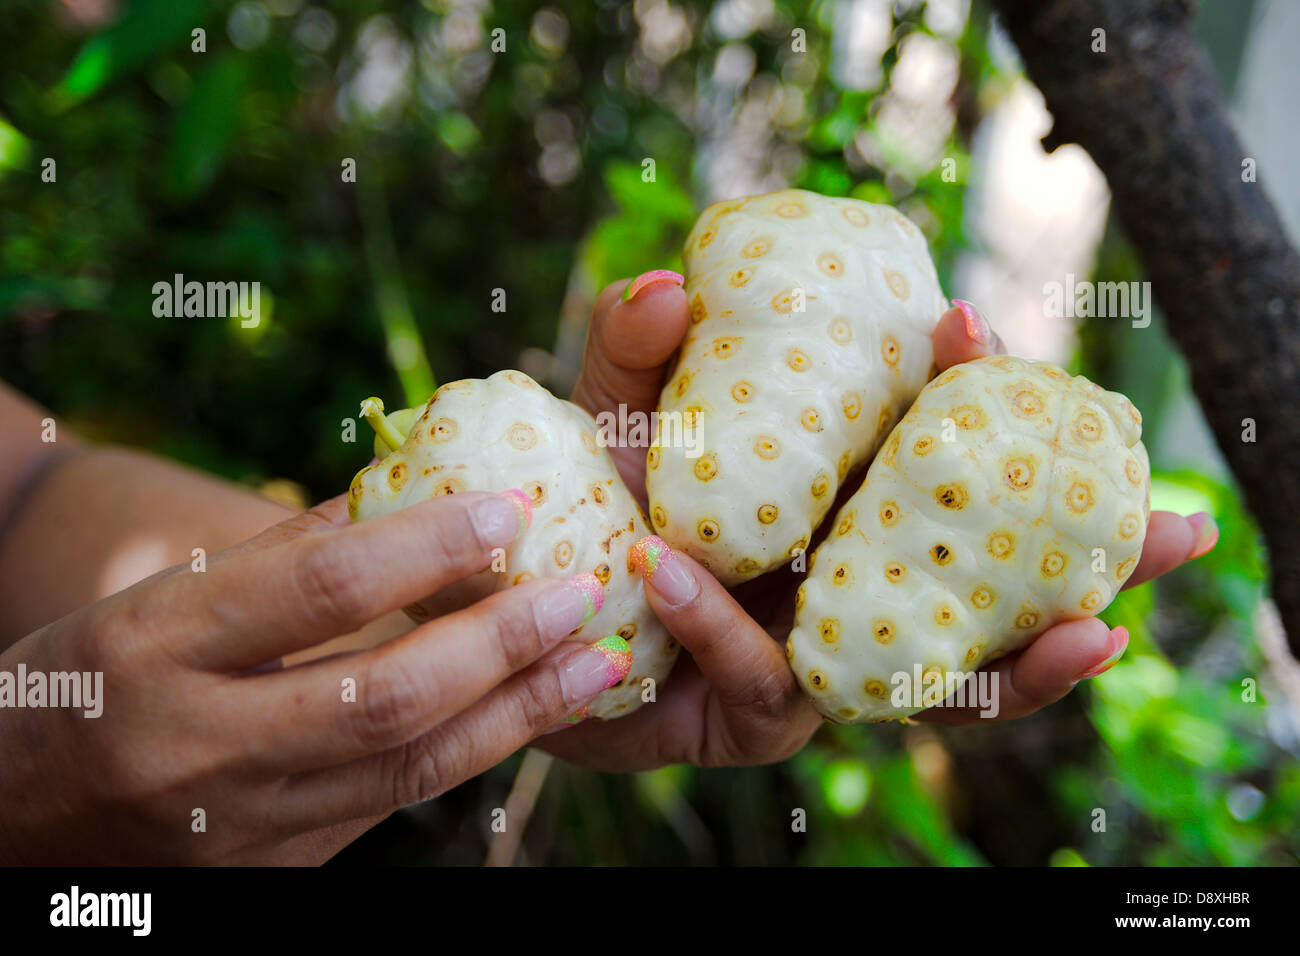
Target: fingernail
561, 611
646, 279
977, 330
595, 668
664, 570
1116, 645
1207, 534
502, 518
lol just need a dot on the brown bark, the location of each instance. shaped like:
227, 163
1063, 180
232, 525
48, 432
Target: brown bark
1151, 113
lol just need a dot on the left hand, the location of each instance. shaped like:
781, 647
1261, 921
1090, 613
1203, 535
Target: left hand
732, 698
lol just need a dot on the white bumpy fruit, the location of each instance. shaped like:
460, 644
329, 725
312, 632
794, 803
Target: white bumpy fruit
1012, 496
507, 432
809, 335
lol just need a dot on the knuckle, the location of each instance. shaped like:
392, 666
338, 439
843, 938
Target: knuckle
538, 703
429, 766
515, 629
391, 701
326, 586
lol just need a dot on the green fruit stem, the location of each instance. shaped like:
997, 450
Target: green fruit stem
372, 410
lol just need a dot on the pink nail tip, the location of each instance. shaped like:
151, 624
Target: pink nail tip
524, 505
977, 330
618, 656
592, 591
648, 553
1207, 534
649, 278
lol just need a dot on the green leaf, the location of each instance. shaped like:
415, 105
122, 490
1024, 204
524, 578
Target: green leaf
204, 128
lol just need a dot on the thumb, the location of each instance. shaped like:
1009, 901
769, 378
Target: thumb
636, 327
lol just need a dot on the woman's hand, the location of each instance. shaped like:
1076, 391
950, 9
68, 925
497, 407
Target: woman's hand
208, 749
732, 698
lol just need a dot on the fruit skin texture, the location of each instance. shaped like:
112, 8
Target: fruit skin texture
508, 432
956, 552
787, 402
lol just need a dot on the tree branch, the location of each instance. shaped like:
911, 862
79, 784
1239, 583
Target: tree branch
1152, 115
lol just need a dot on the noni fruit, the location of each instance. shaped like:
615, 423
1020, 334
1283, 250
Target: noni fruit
1011, 496
810, 322
507, 432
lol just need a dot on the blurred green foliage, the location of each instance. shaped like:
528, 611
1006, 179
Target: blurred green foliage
525, 171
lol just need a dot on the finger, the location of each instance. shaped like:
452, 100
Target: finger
963, 335
302, 592
1041, 674
745, 666
326, 516
1172, 539
478, 738
628, 348
403, 688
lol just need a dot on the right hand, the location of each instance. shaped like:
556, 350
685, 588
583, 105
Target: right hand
198, 711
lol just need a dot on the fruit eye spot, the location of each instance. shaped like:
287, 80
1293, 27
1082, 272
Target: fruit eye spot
790, 210
659, 516
841, 331
1026, 619
845, 526
889, 350
767, 448
444, 429
725, 347
888, 513
883, 631
981, 597
799, 598
747, 566
397, 475
767, 513
843, 467
1134, 471
856, 216
895, 571
1025, 400
830, 630
897, 283
820, 486
756, 248
923, 446
627, 631
740, 277
653, 457
1129, 526
1001, 545
818, 680
598, 494
708, 530
830, 264
1080, 497
875, 688
789, 649
810, 420
943, 615
1087, 426
706, 237
1018, 474
1090, 601
941, 554
969, 417
1053, 564
522, 436
852, 405
563, 554
699, 311
742, 391
797, 360
602, 574
951, 496
973, 654
1122, 570
841, 574
706, 467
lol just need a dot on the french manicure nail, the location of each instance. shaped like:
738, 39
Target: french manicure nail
646, 279
1116, 645
664, 570
977, 330
1207, 534
563, 610
502, 518
595, 668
